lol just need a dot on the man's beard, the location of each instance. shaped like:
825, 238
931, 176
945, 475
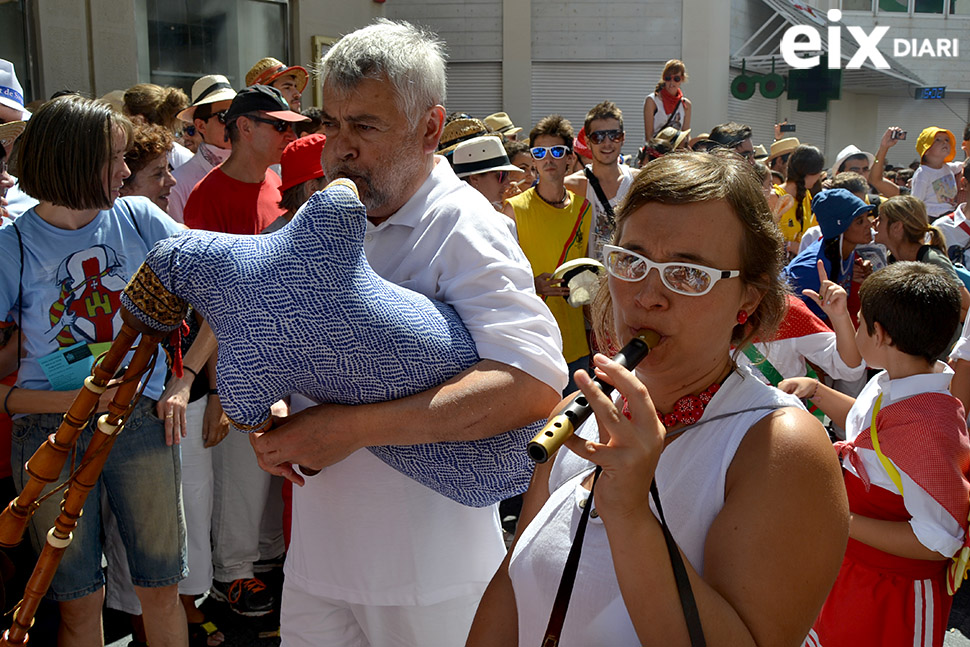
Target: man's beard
385, 185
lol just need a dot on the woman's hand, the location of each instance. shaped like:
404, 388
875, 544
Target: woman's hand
628, 449
215, 424
171, 407
831, 296
801, 387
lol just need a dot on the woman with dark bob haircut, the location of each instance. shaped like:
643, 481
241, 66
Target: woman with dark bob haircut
755, 509
64, 264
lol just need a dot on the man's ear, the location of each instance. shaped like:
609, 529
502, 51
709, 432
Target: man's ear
432, 126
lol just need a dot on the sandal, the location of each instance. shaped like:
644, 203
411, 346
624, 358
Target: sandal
205, 634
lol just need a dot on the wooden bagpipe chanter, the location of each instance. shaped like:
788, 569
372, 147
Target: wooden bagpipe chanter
295, 311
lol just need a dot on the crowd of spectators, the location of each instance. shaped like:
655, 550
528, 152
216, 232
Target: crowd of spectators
802, 299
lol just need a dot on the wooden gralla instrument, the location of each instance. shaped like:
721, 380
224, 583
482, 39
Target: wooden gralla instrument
45, 466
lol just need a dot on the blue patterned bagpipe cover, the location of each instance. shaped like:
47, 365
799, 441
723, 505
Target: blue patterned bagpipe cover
301, 311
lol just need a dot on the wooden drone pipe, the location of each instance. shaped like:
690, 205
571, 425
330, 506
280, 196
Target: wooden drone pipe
47, 462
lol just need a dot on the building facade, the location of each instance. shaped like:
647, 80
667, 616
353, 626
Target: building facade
527, 57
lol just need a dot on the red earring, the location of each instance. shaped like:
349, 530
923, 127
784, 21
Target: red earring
742, 317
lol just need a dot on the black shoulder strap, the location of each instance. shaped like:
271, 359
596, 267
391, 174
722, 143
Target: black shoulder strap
673, 113
600, 195
688, 604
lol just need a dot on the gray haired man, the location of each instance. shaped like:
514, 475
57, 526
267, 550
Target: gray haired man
375, 558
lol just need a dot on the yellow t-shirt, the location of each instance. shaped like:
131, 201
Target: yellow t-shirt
544, 233
788, 223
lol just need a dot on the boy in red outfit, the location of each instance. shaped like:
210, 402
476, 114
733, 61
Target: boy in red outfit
905, 463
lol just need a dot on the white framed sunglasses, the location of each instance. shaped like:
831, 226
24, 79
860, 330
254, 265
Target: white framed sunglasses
683, 278
557, 152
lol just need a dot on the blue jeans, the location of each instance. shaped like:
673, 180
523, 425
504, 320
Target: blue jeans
142, 478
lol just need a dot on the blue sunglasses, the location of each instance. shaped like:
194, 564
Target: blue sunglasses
557, 152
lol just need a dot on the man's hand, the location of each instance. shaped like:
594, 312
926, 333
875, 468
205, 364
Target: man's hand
314, 438
887, 140
550, 287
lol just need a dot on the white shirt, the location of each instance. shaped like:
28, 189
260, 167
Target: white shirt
931, 523
366, 534
178, 155
953, 232
788, 356
191, 173
600, 231
937, 187
690, 477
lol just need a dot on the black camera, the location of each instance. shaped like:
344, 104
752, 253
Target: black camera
898, 134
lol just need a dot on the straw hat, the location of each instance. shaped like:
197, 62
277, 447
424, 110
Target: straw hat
11, 131
457, 131
782, 146
211, 88
673, 137
501, 123
269, 69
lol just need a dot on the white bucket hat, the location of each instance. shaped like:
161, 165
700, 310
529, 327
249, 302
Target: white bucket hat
481, 155
11, 92
848, 152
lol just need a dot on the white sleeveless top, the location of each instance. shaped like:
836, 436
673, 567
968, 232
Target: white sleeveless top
690, 479
600, 232
660, 117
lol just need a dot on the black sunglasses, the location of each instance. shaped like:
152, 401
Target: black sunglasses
221, 116
675, 79
280, 125
599, 136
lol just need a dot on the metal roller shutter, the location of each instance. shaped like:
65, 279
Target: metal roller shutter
572, 88
810, 127
757, 112
913, 116
475, 88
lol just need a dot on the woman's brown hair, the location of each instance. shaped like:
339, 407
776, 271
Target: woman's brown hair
687, 178
673, 66
156, 104
916, 224
150, 141
64, 150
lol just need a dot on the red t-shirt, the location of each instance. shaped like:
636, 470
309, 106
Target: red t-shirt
221, 203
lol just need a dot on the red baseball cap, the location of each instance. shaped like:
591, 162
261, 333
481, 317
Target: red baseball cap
301, 160
580, 145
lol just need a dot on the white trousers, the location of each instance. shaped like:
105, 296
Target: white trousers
243, 495
311, 621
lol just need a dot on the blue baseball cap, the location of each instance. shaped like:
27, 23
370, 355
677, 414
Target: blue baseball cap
835, 210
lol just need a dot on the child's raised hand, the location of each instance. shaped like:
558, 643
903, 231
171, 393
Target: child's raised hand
831, 296
801, 387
